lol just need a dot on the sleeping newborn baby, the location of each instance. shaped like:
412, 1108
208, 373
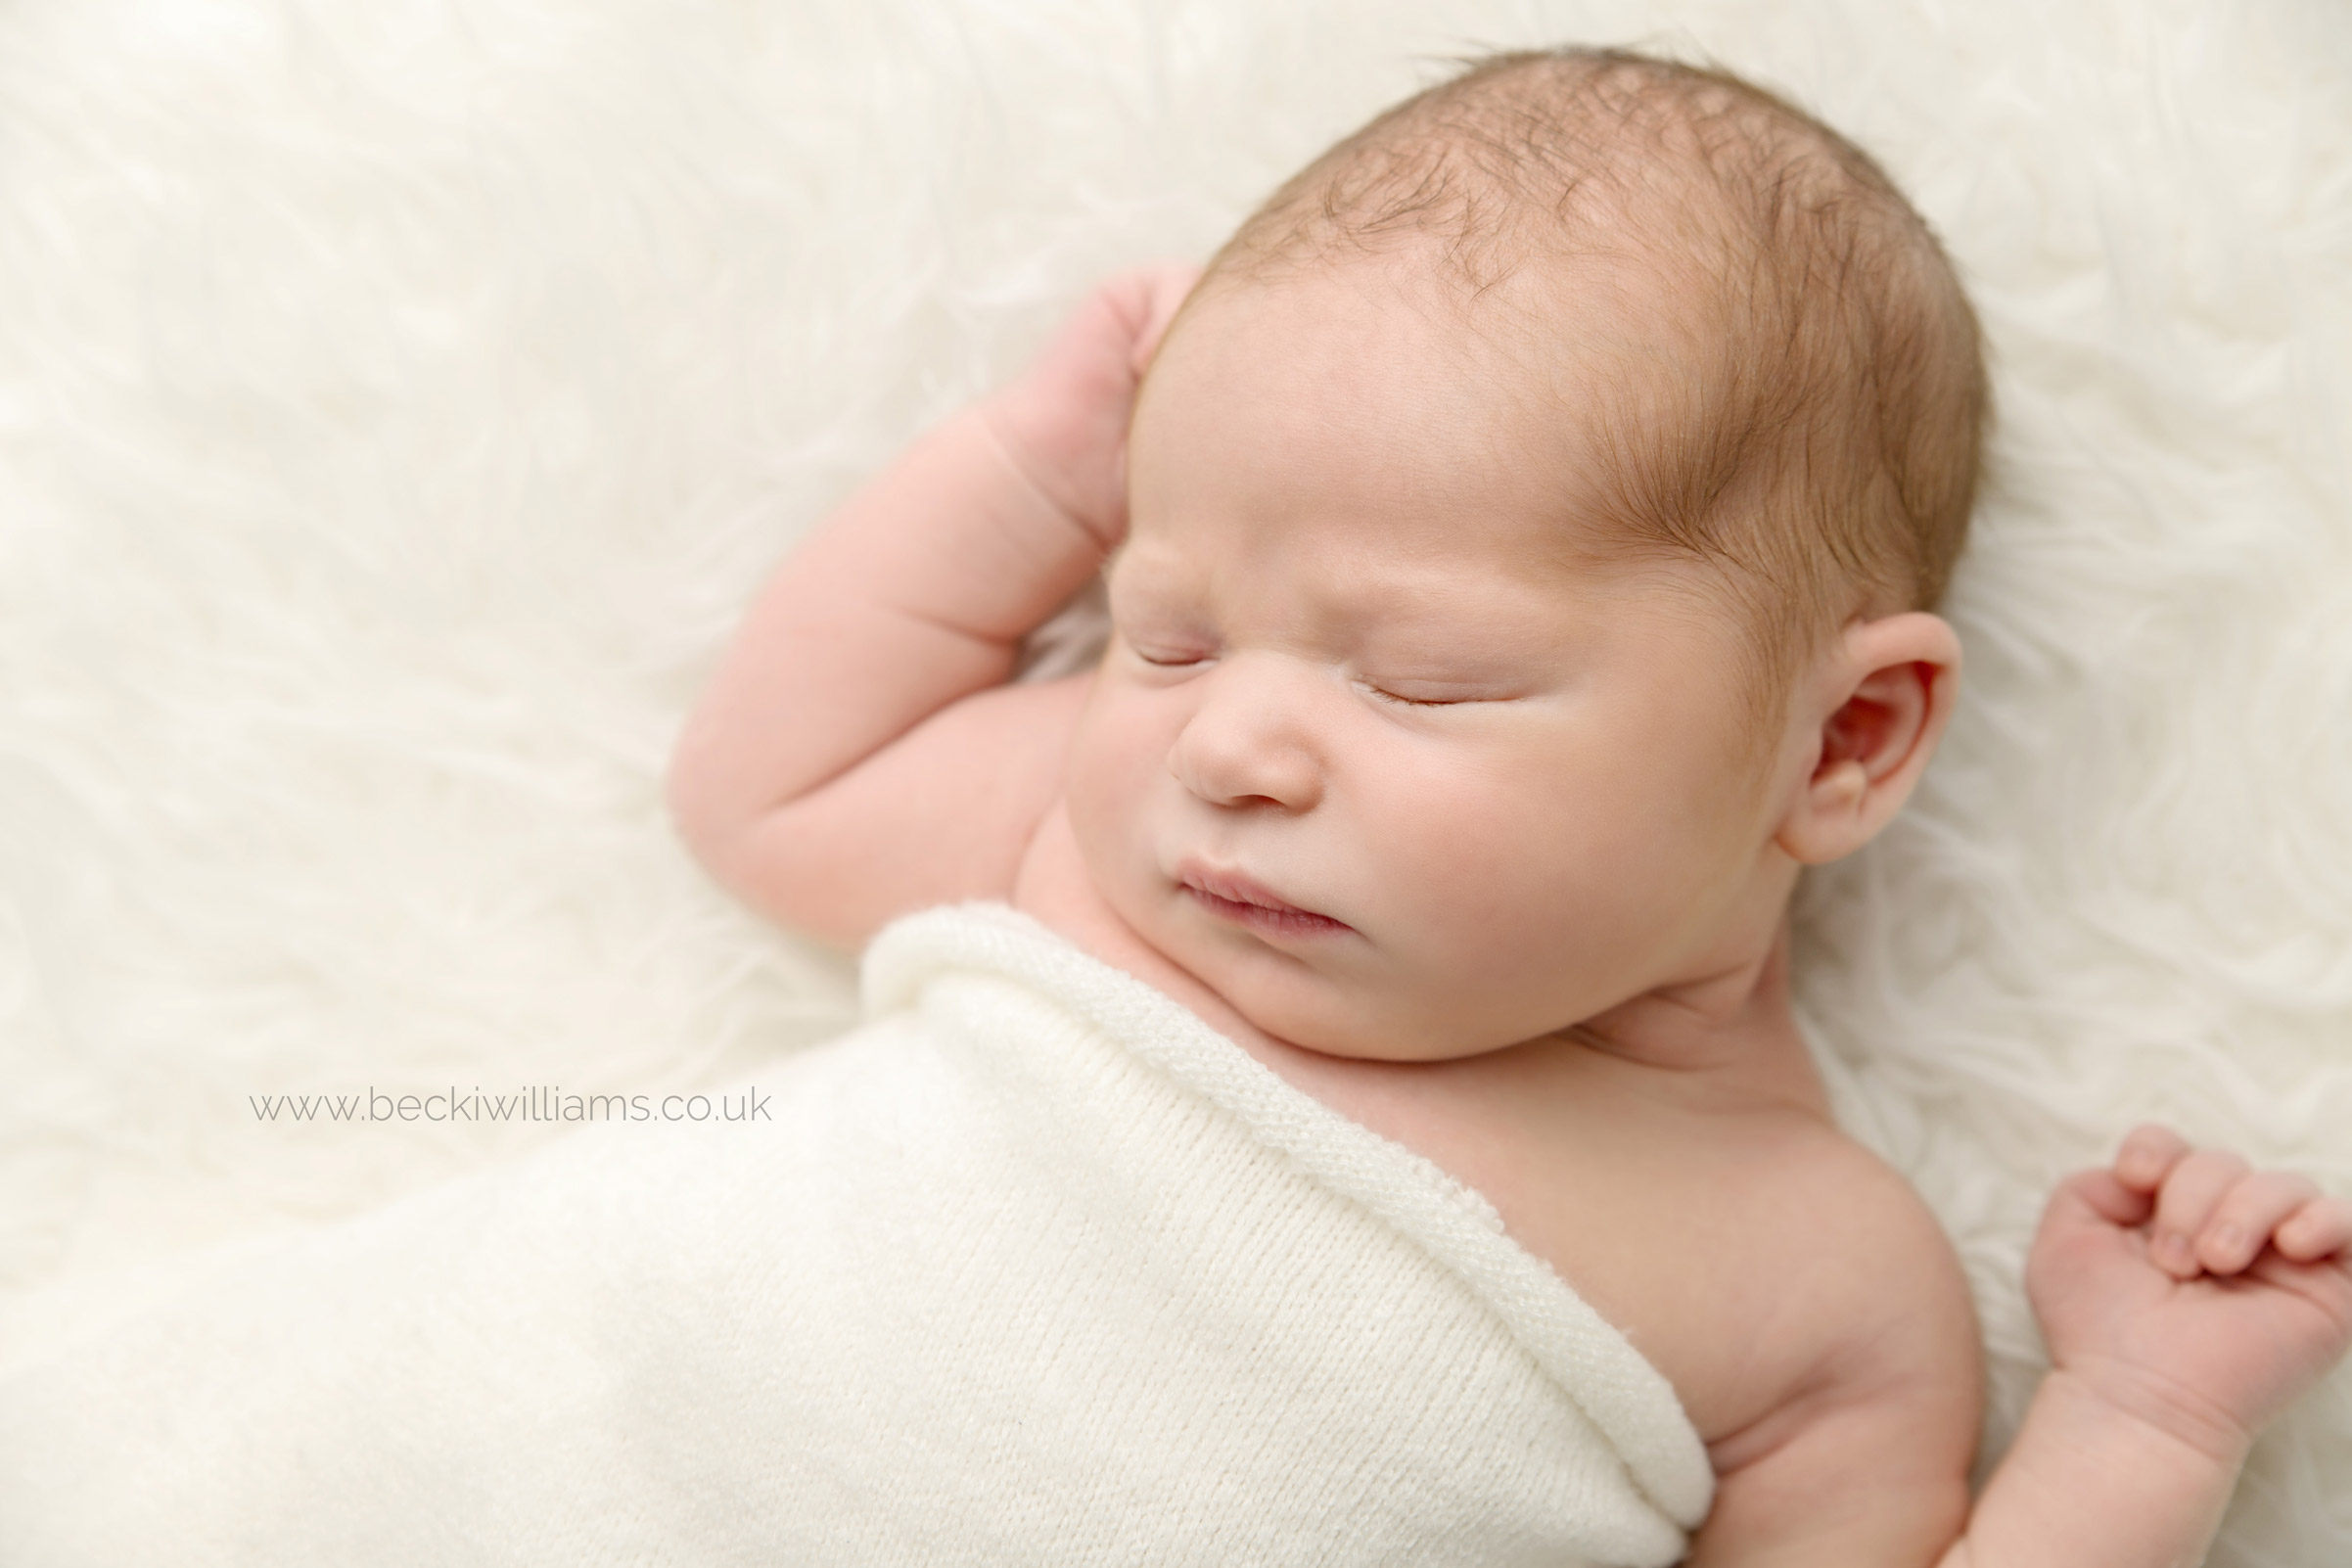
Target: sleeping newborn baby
1329, 1093
1521, 548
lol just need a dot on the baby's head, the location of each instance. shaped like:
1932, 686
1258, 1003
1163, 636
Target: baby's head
1535, 513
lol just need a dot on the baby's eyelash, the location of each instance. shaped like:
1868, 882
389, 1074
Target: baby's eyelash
1410, 702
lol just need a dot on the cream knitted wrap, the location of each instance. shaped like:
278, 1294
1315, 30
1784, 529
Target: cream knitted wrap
1033, 1268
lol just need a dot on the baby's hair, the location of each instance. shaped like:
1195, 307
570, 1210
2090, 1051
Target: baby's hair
1811, 413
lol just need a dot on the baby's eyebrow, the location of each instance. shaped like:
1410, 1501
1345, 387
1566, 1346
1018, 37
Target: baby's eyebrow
1144, 566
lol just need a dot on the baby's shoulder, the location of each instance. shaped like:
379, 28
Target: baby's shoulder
1771, 1268
1853, 1293
1813, 1191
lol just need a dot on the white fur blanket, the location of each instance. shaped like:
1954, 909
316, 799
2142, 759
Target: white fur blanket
399, 403
1032, 1268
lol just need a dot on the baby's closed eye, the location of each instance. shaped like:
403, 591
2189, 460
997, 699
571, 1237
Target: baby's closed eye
1443, 685
1408, 699
1169, 659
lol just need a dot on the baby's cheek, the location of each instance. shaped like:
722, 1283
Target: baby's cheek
1115, 756
1462, 826
1541, 871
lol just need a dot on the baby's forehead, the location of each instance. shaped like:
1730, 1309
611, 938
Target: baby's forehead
1538, 388
1356, 412
1371, 362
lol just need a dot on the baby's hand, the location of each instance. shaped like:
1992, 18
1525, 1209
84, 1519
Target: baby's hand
1064, 423
2191, 1291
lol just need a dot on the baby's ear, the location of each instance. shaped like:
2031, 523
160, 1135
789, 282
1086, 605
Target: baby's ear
1885, 695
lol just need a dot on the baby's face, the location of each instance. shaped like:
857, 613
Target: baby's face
1376, 751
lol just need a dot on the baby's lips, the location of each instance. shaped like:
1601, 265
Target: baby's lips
1237, 887
1236, 895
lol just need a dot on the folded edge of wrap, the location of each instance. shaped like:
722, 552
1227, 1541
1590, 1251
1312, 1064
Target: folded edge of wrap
1594, 1365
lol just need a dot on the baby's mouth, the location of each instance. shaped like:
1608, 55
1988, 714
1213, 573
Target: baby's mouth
1233, 897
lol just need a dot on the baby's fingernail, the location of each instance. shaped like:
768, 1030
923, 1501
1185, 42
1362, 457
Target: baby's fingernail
2172, 1254
2228, 1245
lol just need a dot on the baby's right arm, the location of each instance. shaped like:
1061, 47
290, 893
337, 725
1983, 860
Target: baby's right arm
858, 753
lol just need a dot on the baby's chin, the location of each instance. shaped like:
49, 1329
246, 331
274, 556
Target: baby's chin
1332, 994
1331, 1015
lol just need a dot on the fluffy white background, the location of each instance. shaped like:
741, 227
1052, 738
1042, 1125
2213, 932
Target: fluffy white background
398, 402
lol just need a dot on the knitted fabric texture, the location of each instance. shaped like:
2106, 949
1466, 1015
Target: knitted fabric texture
1032, 1266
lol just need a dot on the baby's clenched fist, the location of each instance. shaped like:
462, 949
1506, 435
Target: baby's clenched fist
2192, 1291
2213, 1214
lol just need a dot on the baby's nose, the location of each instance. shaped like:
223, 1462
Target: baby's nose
1249, 742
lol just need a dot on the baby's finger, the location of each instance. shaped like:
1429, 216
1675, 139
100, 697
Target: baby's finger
2240, 1225
2096, 1196
2315, 1231
1163, 289
2190, 1194
2147, 1156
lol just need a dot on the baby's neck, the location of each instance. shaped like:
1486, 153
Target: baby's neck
1706, 1023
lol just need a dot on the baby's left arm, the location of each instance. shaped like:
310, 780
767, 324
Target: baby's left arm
2185, 1300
